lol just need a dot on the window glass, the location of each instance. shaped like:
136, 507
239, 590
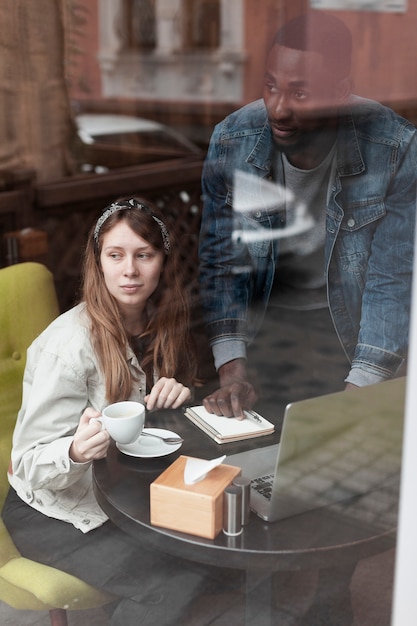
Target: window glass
138, 24
201, 24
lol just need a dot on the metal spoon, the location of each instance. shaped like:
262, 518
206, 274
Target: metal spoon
172, 440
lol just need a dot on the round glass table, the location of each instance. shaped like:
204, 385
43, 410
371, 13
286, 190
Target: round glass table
322, 539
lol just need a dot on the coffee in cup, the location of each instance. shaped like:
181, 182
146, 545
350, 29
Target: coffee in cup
123, 420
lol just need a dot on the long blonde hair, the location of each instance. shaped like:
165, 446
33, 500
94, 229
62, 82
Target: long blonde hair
169, 350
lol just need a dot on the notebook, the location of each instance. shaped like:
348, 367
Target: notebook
332, 449
227, 429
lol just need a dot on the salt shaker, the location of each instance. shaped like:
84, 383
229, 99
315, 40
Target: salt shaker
232, 511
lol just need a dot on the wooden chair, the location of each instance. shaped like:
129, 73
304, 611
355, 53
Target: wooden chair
28, 304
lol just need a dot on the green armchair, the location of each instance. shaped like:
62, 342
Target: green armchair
28, 304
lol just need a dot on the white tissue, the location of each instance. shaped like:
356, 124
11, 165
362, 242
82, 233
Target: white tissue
197, 469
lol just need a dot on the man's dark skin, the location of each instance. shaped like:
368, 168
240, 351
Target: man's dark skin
301, 99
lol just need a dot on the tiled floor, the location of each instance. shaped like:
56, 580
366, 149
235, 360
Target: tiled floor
371, 591
296, 356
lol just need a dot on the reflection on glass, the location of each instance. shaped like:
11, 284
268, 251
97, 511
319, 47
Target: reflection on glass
340, 449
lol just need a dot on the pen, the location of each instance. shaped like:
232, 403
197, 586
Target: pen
253, 416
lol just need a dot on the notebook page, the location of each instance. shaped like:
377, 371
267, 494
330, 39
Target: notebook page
230, 426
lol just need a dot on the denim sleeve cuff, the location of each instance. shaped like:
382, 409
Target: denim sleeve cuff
362, 378
376, 361
228, 350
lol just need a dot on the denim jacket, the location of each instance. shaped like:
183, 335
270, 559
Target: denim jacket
370, 217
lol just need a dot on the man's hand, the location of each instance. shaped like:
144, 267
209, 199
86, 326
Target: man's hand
236, 393
350, 386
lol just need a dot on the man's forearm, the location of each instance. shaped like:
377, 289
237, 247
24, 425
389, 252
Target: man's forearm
233, 371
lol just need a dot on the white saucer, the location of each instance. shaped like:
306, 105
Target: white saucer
150, 447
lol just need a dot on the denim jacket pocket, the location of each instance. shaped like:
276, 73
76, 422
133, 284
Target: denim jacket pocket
359, 214
251, 228
357, 230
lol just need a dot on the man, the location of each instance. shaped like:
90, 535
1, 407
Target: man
352, 163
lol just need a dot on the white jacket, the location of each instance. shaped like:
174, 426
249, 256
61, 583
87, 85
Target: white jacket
62, 378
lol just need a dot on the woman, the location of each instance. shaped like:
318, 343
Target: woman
127, 339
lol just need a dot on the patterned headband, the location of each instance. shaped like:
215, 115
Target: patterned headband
132, 204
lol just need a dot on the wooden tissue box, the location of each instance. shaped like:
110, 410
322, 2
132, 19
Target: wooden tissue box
196, 509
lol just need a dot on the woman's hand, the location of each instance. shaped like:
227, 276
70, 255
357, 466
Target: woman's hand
90, 442
167, 393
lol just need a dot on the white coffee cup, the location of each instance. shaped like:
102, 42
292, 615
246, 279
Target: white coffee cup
123, 420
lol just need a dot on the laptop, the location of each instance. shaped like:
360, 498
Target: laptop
333, 448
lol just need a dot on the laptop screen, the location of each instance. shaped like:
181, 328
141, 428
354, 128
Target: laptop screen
333, 449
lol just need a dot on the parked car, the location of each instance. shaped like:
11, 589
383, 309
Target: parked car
110, 141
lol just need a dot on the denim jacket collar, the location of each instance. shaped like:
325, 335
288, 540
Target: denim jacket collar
262, 154
349, 157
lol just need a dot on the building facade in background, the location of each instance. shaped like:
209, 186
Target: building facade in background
200, 59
